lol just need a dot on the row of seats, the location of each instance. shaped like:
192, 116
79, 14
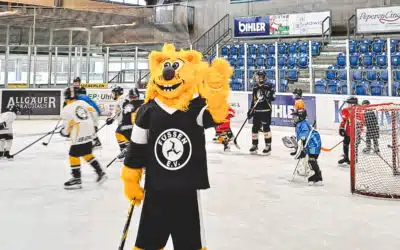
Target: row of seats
374, 88
375, 46
373, 74
268, 49
368, 60
284, 74
264, 62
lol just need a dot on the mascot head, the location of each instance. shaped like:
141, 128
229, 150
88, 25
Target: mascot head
175, 76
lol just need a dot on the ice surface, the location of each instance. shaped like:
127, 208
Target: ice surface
251, 204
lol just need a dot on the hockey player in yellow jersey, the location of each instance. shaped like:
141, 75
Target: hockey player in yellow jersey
78, 124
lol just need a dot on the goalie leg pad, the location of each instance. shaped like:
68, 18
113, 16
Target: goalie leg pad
287, 142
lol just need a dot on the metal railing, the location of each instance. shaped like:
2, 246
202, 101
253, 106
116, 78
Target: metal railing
326, 31
351, 25
209, 39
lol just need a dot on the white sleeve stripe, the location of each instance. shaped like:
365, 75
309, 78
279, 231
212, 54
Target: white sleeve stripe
199, 118
139, 135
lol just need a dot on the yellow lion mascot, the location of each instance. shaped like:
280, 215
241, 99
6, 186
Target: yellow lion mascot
184, 96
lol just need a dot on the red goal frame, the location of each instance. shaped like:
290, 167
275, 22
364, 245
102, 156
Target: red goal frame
393, 151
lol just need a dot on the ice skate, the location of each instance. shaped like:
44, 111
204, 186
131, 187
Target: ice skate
102, 177
345, 161
8, 156
253, 149
73, 183
267, 150
97, 144
315, 180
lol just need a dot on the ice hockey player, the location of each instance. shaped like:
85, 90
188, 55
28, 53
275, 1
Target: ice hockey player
77, 83
308, 144
261, 110
372, 132
120, 98
344, 129
224, 130
95, 112
78, 124
168, 141
6, 132
298, 97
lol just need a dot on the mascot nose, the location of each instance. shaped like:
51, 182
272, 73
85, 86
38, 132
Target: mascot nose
168, 73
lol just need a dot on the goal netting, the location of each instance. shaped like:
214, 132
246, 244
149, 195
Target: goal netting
375, 139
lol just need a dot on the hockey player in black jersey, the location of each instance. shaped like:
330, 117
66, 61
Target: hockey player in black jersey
261, 111
6, 131
168, 141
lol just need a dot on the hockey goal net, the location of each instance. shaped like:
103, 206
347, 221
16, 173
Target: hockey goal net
374, 150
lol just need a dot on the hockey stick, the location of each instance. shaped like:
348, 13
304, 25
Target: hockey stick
244, 123
119, 156
126, 227
51, 136
105, 124
332, 148
49, 133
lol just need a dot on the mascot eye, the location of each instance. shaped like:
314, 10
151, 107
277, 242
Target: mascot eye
176, 65
167, 64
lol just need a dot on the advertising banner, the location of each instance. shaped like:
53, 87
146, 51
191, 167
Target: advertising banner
94, 85
33, 102
283, 107
300, 24
378, 20
238, 102
103, 99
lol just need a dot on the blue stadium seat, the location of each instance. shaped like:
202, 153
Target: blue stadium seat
270, 61
293, 48
343, 88
260, 62
396, 89
320, 87
381, 60
383, 76
250, 63
241, 49
331, 73
270, 73
237, 84
232, 61
283, 73
252, 50
353, 47
303, 61
271, 49
240, 63
333, 87
342, 75
282, 49
293, 74
394, 46
283, 86
358, 75
368, 60
377, 88
316, 48
396, 74
361, 88
395, 60
292, 61
354, 60
234, 51
262, 50
371, 75
282, 60
225, 50
303, 48
378, 46
238, 74
341, 60
365, 46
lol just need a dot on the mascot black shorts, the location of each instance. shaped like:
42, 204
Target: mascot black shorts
175, 214
125, 130
81, 150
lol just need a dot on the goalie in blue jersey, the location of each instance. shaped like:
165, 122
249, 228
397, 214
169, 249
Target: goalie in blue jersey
308, 144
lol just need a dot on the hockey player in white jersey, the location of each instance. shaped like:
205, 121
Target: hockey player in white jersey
6, 131
78, 124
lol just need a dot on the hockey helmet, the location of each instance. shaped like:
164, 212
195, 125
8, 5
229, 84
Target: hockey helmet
260, 76
133, 93
299, 115
77, 82
77, 79
71, 93
352, 100
297, 93
117, 92
15, 109
365, 102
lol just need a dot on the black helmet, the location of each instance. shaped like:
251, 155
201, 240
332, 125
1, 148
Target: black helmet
77, 79
299, 115
352, 100
15, 109
116, 92
365, 102
298, 93
133, 93
261, 73
81, 91
71, 93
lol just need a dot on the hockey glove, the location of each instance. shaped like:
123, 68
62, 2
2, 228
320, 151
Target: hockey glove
3, 125
109, 121
342, 132
131, 178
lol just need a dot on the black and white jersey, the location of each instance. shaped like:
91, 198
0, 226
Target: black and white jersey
129, 107
266, 94
170, 144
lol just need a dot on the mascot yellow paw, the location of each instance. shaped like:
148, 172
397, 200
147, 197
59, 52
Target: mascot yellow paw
132, 189
218, 74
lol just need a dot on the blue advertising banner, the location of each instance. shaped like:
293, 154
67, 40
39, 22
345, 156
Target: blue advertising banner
247, 1
283, 106
251, 26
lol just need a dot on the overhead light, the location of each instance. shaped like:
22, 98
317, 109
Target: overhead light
10, 13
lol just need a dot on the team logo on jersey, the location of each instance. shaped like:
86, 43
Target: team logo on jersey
260, 95
173, 149
81, 113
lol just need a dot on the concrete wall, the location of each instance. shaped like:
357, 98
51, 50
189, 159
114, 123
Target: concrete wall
208, 12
